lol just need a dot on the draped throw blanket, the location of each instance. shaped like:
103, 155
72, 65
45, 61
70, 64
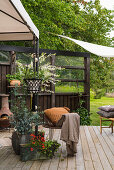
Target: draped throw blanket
70, 132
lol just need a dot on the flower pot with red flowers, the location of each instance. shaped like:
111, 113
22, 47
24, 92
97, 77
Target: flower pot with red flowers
38, 148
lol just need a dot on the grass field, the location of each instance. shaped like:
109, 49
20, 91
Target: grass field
69, 88
94, 104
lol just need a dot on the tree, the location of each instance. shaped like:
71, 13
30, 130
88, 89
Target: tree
83, 21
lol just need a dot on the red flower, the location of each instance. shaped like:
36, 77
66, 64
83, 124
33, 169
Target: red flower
33, 142
31, 149
43, 146
32, 135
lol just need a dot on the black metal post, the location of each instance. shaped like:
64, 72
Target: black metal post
37, 69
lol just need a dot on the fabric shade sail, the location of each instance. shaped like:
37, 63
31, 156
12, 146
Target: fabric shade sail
15, 23
99, 50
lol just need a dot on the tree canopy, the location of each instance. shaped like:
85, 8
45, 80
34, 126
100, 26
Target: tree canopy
79, 20
87, 22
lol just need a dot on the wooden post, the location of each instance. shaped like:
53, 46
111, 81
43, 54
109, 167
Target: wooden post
100, 125
87, 81
13, 61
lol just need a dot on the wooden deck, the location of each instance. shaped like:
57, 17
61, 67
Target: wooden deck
94, 152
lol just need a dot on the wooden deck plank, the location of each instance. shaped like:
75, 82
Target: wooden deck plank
110, 135
86, 152
55, 160
94, 151
5, 154
94, 155
100, 151
45, 164
36, 165
106, 136
79, 157
106, 148
63, 155
71, 163
27, 165
6, 162
12, 162
63, 158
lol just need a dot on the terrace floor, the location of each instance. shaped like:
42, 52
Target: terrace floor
94, 152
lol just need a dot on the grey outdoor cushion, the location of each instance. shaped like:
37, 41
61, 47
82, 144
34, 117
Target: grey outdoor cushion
106, 114
107, 108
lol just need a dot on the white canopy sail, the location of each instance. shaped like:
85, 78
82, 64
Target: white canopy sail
99, 50
15, 23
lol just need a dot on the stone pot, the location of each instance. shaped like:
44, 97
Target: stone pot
26, 153
17, 140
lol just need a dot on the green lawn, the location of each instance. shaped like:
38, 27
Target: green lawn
69, 89
94, 104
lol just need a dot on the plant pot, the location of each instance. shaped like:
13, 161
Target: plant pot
26, 153
17, 140
15, 83
33, 85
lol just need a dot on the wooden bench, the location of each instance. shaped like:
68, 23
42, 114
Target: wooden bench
102, 119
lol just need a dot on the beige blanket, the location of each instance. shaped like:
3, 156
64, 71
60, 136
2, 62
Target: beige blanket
70, 132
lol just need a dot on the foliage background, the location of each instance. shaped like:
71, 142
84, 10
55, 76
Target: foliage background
79, 20
83, 21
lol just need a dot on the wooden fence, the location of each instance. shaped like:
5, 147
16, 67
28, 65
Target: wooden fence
48, 100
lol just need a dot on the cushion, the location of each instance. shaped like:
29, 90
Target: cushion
107, 108
55, 113
106, 114
67, 109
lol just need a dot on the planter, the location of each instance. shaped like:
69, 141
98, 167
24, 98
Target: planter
26, 153
33, 85
17, 140
15, 82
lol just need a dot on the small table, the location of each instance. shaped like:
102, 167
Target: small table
106, 119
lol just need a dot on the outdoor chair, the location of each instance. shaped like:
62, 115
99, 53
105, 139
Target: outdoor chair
53, 118
106, 114
102, 119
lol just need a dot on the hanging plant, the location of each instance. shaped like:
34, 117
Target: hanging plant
46, 74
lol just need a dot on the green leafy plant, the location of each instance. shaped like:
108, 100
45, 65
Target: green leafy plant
84, 114
16, 76
46, 72
45, 147
23, 118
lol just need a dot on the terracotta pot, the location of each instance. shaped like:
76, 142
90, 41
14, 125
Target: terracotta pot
15, 82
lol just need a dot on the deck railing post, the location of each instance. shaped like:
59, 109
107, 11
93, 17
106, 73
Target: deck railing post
87, 80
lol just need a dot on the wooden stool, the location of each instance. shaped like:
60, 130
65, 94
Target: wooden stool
106, 119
